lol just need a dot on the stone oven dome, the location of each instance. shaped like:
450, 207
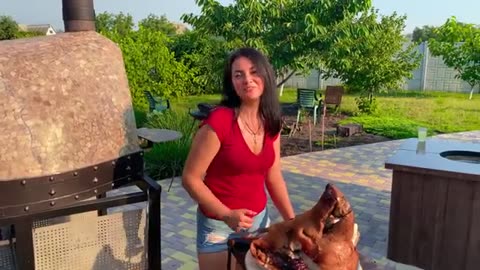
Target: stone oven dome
64, 105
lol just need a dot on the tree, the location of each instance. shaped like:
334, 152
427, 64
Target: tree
368, 55
120, 23
161, 24
204, 56
8, 28
425, 33
150, 65
459, 46
291, 33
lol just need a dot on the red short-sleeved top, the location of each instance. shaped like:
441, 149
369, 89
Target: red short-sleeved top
236, 175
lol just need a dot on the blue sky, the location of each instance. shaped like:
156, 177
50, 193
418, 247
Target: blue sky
419, 12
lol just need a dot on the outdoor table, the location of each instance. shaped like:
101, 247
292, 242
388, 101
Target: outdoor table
156, 135
435, 204
149, 136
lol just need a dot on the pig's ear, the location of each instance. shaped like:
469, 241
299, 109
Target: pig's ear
329, 189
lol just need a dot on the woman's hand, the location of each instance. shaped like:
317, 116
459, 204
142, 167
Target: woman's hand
239, 219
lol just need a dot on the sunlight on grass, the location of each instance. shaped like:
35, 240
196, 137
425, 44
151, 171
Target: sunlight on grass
184, 103
190, 102
442, 114
399, 113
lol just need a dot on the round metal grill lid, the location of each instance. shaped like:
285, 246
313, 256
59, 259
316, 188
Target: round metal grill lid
64, 104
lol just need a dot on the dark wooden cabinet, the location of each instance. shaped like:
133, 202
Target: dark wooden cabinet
435, 206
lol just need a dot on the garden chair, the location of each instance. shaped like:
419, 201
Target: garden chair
202, 112
333, 96
155, 104
308, 100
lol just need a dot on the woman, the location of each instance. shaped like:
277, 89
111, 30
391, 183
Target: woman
234, 155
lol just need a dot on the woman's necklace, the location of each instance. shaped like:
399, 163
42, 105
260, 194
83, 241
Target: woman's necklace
254, 134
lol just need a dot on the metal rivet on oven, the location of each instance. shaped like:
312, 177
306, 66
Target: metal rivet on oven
95, 168
129, 157
51, 178
52, 192
95, 191
52, 203
26, 208
113, 163
95, 180
75, 173
77, 197
24, 182
128, 168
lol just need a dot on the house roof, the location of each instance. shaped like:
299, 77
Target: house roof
42, 28
180, 28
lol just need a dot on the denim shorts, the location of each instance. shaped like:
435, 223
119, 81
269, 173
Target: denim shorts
213, 234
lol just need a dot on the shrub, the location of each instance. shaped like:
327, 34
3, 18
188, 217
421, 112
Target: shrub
150, 65
140, 116
166, 160
204, 56
366, 104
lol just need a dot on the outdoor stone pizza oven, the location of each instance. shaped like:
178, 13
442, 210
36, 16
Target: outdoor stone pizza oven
68, 131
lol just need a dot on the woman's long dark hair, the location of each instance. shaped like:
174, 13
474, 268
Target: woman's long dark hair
269, 102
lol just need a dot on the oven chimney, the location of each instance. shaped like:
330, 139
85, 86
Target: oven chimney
78, 15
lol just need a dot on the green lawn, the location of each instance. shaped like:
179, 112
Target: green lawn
398, 114
190, 102
184, 103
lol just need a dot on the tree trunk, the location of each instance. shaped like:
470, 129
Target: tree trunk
310, 135
282, 86
281, 89
285, 79
471, 92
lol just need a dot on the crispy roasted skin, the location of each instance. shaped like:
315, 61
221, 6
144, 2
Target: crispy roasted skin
329, 246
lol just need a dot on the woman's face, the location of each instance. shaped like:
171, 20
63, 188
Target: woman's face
247, 82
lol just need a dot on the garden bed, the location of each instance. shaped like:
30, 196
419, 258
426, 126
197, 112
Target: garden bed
299, 142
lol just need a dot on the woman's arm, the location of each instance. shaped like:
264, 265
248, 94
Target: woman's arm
276, 186
205, 146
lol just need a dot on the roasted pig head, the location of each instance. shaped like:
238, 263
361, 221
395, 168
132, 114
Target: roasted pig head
320, 238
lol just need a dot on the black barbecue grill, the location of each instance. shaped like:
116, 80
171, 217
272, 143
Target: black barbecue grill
68, 132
